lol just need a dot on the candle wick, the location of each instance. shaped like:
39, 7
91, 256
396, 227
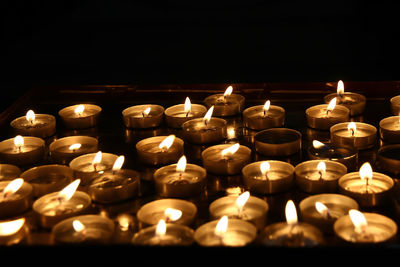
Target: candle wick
320, 175
95, 167
327, 112
352, 132
187, 114
366, 185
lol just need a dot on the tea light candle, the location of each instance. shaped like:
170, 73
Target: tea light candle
348, 156
323, 210
395, 105
176, 115
57, 206
291, 233
205, 130
12, 232
264, 116
365, 228
160, 150
226, 104
80, 116
318, 176
22, 150
389, 129
268, 177
116, 185
65, 149
180, 180
9, 172
225, 232
389, 158
243, 207
322, 117
15, 197
356, 134
353, 101
90, 166
84, 229
277, 142
369, 188
164, 234
169, 209
39, 125
226, 159
143, 116
46, 179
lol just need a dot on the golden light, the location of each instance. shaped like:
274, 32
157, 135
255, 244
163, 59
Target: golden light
351, 127
181, 165
321, 167
97, 158
222, 226
188, 106
18, 141
291, 213
161, 228
146, 112
317, 144
78, 226
321, 208
74, 147
340, 87
241, 200
265, 167
231, 132
266, 107
68, 191
30, 116
358, 220
124, 221
12, 187
167, 142
228, 91
366, 171
172, 214
331, 105
11, 227
118, 163
208, 115
79, 110
230, 150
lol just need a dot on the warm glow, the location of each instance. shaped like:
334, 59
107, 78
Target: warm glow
352, 127
181, 165
366, 171
12, 187
172, 214
230, 150
358, 220
30, 116
290, 213
340, 87
321, 167
321, 208
78, 226
11, 227
69, 190
161, 228
231, 132
331, 105
167, 142
208, 115
75, 146
222, 226
266, 106
118, 163
242, 199
18, 141
264, 167
317, 144
188, 105
79, 110
228, 90
97, 158
146, 111
124, 221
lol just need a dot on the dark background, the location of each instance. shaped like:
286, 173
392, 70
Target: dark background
130, 42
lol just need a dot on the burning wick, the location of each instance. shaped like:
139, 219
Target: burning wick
18, 142
181, 166
321, 167
366, 174
79, 110
74, 147
188, 106
352, 128
166, 143
172, 215
208, 115
331, 106
79, 228
146, 112
340, 88
227, 152
30, 116
96, 160
241, 201
68, 191
221, 228
291, 219
228, 92
360, 226
323, 210
264, 168
118, 164
11, 188
266, 108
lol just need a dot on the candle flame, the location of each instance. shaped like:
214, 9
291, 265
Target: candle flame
366, 171
242, 199
228, 91
18, 141
321, 208
75, 146
358, 220
11, 227
13, 187
340, 87
188, 105
265, 167
124, 221
68, 191
78, 226
230, 150
208, 115
317, 144
161, 228
79, 110
290, 213
146, 111
172, 214
331, 105
30, 116
321, 167
118, 163
181, 165
352, 127
266, 106
231, 132
222, 226
167, 142
97, 158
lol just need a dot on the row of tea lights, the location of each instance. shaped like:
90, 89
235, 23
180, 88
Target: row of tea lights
108, 183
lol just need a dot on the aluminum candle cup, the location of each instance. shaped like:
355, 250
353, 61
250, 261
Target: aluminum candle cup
46, 179
255, 118
230, 164
319, 118
380, 229
9, 172
85, 170
17, 202
312, 180
151, 213
389, 129
395, 105
364, 136
197, 132
225, 106
136, 117
175, 235
116, 186
175, 116
65, 149
277, 142
389, 158
42, 126
239, 233
95, 229
32, 151
14, 232
149, 152
87, 117
279, 178
353, 101
337, 206
254, 210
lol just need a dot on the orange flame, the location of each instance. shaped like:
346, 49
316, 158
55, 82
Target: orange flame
11, 227
12, 187
172, 214
181, 165
188, 105
18, 141
30, 116
230, 150
340, 87
161, 228
167, 142
208, 115
74, 146
358, 220
290, 213
68, 191
79, 110
222, 226
228, 91
118, 163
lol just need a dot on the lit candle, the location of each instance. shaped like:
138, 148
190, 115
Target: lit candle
160, 150
15, 197
80, 116
355, 134
12, 232
264, 116
65, 149
143, 116
22, 151
176, 115
39, 125
322, 117
226, 104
